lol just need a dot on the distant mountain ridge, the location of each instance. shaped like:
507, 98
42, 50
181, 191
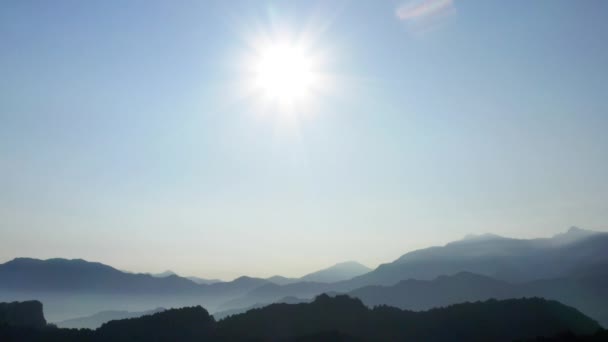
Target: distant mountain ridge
78, 288
27, 274
515, 260
520, 261
588, 293
338, 272
197, 280
326, 318
474, 261
280, 280
419, 295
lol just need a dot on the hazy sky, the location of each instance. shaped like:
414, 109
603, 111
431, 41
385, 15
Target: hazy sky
128, 134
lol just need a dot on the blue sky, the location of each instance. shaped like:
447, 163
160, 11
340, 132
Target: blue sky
126, 136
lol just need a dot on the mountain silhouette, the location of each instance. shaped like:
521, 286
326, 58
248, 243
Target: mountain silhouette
77, 275
566, 267
76, 288
514, 260
482, 321
280, 280
586, 289
338, 272
204, 281
586, 292
197, 280
286, 300
333, 318
185, 324
444, 290
25, 274
22, 314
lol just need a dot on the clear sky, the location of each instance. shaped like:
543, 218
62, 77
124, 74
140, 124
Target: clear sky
131, 133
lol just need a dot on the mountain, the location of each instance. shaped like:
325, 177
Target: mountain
23, 314
514, 260
280, 280
77, 275
287, 300
96, 320
205, 281
185, 324
444, 290
73, 288
271, 293
585, 292
334, 319
337, 272
77, 288
197, 280
566, 266
505, 320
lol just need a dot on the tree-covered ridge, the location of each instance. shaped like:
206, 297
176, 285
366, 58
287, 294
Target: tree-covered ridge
490, 320
22, 314
339, 318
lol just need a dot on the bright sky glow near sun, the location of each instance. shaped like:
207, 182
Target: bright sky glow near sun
222, 138
284, 73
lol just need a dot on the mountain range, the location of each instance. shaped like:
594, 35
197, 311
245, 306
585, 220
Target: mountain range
197, 280
79, 288
326, 318
569, 267
513, 260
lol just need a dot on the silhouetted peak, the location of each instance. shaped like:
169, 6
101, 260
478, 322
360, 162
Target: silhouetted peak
26, 314
338, 300
23, 261
340, 271
78, 263
185, 324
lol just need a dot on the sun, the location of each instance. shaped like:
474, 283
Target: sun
284, 72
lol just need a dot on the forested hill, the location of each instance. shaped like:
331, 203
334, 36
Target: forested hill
334, 318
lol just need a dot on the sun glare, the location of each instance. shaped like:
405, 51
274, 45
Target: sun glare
284, 73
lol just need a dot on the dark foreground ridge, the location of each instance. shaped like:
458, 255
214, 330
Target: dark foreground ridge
339, 318
22, 314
